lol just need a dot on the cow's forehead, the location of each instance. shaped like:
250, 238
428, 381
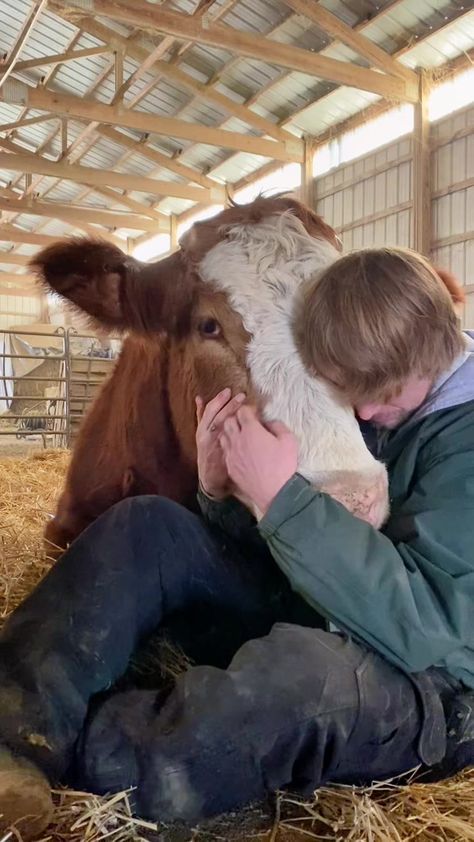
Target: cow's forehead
262, 266
204, 235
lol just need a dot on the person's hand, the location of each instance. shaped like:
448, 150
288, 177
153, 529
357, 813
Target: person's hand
260, 459
212, 470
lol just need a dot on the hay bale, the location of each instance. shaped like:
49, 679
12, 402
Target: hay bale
386, 812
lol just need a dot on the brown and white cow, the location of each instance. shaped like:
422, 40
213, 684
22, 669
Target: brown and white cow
218, 312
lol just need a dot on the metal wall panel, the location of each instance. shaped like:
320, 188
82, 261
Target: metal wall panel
368, 200
453, 199
18, 310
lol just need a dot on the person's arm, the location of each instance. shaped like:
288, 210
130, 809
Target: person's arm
409, 596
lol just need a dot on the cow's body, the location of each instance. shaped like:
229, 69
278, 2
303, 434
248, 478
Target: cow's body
217, 313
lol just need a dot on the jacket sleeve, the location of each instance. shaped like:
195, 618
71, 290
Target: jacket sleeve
410, 598
231, 517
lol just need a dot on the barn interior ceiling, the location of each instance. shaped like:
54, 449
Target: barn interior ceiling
120, 118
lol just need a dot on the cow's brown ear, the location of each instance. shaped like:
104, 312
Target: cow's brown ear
114, 289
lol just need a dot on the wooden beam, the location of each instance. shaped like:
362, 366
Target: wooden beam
174, 233
71, 214
86, 109
22, 280
131, 204
32, 163
142, 14
117, 198
18, 291
422, 172
366, 48
175, 74
12, 234
158, 158
307, 178
27, 121
22, 39
57, 58
8, 259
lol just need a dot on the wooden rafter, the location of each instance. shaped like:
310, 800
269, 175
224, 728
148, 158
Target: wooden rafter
12, 234
159, 158
71, 213
86, 175
362, 45
8, 259
72, 106
142, 14
27, 121
422, 172
182, 79
56, 58
22, 39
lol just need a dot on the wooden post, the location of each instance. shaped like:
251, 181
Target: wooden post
118, 68
173, 232
306, 191
422, 172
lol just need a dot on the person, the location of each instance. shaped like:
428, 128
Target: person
350, 651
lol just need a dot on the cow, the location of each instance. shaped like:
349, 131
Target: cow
217, 312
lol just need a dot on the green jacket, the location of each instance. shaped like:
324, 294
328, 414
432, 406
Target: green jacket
407, 590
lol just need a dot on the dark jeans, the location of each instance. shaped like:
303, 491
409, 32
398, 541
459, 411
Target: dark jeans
296, 707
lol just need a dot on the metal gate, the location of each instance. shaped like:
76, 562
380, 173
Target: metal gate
34, 386
47, 384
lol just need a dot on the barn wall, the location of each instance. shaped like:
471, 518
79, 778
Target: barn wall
369, 200
453, 199
16, 309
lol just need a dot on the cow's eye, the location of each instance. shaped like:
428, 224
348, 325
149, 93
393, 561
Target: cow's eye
210, 328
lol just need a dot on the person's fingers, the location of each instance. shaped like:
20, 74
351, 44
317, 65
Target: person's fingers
247, 415
278, 428
214, 406
229, 409
231, 427
199, 408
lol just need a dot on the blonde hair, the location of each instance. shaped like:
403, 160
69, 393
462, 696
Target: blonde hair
375, 318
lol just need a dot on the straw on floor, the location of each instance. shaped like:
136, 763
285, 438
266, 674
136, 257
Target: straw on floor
386, 812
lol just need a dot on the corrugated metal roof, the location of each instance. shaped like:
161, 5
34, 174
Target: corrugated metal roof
303, 103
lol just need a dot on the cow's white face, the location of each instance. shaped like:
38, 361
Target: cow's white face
261, 268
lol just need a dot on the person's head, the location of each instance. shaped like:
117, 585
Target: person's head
382, 326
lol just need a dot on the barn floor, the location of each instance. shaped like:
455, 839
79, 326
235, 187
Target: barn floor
387, 813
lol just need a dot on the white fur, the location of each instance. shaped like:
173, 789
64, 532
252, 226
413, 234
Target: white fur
261, 268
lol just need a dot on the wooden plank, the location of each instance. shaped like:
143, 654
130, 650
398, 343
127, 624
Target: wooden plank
71, 214
59, 58
92, 110
422, 172
142, 14
32, 163
351, 38
22, 39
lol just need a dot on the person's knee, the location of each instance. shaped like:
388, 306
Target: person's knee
317, 670
147, 511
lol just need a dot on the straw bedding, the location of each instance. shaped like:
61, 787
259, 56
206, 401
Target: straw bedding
384, 813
